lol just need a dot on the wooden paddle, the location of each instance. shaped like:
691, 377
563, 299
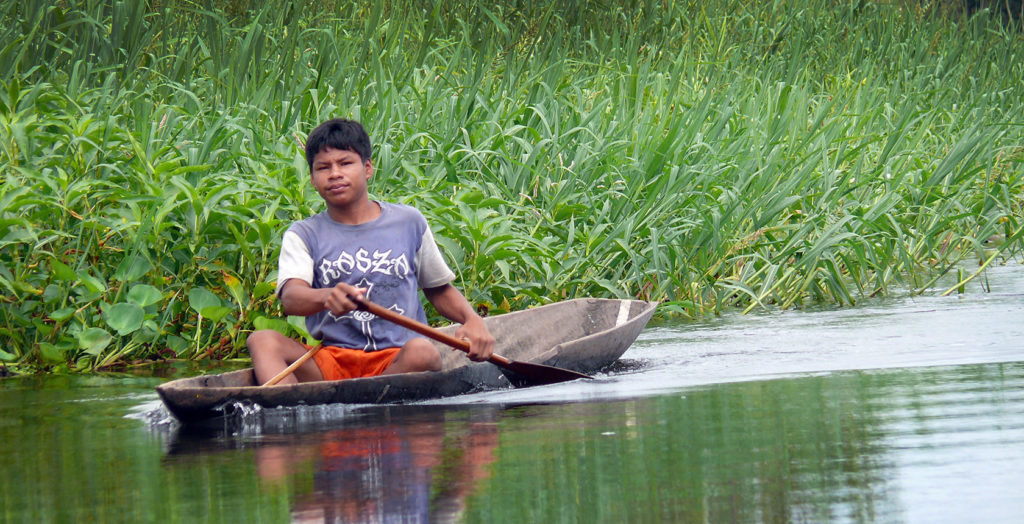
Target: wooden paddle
302, 360
294, 365
536, 374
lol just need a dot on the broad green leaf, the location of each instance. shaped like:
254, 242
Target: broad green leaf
200, 297
263, 289
132, 268
235, 288
144, 295
52, 293
7, 357
62, 271
299, 324
151, 326
50, 352
215, 313
167, 166
27, 288
124, 317
94, 340
504, 267
6, 223
177, 344
43, 328
277, 324
14, 337
148, 332
91, 283
62, 314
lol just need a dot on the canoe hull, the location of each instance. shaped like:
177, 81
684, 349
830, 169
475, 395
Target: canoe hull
583, 335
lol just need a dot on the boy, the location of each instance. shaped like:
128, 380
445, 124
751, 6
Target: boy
367, 249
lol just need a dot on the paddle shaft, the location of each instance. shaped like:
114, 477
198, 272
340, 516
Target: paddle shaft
295, 365
302, 360
425, 330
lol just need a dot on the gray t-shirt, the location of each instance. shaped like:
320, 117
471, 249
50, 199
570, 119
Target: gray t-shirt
391, 256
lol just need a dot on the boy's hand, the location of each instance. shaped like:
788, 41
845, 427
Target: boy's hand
338, 301
481, 343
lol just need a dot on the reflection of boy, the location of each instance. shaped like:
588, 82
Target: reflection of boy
409, 471
364, 249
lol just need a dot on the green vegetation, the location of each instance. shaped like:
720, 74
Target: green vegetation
708, 155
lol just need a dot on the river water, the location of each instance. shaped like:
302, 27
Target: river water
897, 410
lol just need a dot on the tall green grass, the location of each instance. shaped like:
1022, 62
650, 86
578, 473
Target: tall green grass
705, 154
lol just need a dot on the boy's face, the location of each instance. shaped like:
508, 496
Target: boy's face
340, 176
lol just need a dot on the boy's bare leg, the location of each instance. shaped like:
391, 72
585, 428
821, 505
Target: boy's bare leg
272, 352
418, 354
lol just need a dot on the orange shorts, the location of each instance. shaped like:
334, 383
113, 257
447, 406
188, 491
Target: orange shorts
340, 363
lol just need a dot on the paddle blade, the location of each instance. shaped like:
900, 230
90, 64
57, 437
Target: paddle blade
528, 374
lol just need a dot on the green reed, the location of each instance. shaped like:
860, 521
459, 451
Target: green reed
707, 155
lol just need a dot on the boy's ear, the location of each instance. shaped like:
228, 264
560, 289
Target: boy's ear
369, 168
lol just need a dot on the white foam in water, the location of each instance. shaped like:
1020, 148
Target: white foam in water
153, 413
247, 419
307, 417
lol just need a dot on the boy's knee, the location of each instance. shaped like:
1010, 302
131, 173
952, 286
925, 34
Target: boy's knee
424, 356
432, 360
255, 338
261, 340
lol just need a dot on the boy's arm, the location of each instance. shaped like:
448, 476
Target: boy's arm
299, 298
450, 303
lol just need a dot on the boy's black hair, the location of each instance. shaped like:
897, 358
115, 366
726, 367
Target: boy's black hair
338, 133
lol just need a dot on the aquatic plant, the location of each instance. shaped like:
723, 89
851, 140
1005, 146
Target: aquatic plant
707, 155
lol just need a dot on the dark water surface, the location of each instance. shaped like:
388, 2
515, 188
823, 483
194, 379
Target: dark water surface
903, 410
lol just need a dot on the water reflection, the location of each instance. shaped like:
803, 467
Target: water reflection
939, 444
851, 447
859, 446
393, 464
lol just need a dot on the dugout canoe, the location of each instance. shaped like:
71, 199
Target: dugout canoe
584, 335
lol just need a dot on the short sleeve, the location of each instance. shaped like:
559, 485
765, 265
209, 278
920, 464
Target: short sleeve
294, 261
433, 271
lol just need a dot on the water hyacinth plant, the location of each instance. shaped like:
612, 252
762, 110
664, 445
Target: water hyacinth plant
704, 154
